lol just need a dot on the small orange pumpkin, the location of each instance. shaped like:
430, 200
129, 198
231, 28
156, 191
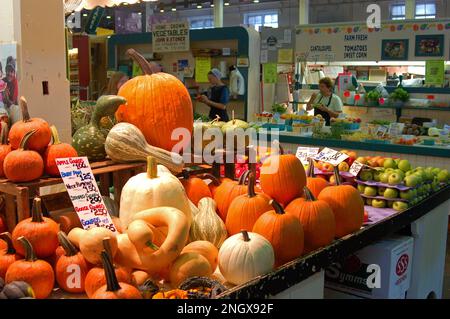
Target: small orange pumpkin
204, 248
55, 151
7, 255
227, 192
196, 188
5, 148
315, 184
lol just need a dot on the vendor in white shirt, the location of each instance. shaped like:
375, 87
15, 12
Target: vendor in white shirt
326, 103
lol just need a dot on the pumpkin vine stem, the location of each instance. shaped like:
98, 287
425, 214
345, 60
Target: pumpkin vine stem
245, 235
36, 214
24, 142
30, 255
277, 207
69, 248
213, 179
337, 176
251, 185
311, 167
24, 108
152, 167
309, 195
112, 284
6, 237
55, 135
141, 61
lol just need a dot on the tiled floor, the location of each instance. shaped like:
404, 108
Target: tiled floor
446, 293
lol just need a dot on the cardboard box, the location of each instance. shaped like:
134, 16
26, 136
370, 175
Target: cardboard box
379, 271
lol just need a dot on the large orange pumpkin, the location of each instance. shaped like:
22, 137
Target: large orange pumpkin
157, 103
317, 219
245, 210
283, 231
283, 178
227, 192
347, 205
315, 184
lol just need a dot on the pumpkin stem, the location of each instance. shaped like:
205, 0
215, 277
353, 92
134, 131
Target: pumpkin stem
277, 207
185, 174
243, 178
337, 176
251, 185
24, 107
36, 214
4, 133
112, 284
69, 248
152, 167
245, 235
107, 248
217, 119
24, 142
55, 135
309, 195
6, 237
107, 105
214, 180
311, 172
29, 251
140, 60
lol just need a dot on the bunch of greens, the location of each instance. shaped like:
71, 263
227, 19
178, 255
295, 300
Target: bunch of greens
201, 117
279, 108
399, 95
374, 95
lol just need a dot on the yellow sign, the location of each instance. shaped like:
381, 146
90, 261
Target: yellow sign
285, 56
202, 68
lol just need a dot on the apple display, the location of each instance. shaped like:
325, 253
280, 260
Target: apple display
381, 191
394, 179
391, 193
384, 178
370, 191
404, 165
400, 206
389, 163
366, 175
379, 203
412, 180
361, 188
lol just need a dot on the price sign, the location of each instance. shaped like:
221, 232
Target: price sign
84, 193
331, 156
304, 153
356, 168
382, 130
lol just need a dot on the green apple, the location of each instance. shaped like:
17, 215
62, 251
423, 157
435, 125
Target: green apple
397, 160
381, 191
404, 165
370, 191
409, 173
420, 175
412, 180
409, 194
429, 176
384, 178
400, 172
389, 163
366, 175
394, 179
361, 188
376, 175
443, 176
389, 170
379, 203
369, 201
391, 193
400, 206
436, 171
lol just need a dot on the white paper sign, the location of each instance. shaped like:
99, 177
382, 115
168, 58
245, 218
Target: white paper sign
304, 153
287, 36
264, 56
356, 168
84, 193
171, 37
330, 156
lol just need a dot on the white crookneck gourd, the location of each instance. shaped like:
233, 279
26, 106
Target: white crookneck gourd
207, 225
155, 188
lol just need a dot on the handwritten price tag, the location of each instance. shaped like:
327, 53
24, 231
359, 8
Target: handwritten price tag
304, 153
84, 193
331, 156
356, 168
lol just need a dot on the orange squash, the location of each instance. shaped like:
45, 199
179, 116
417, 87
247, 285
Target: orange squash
317, 219
158, 104
196, 188
189, 265
55, 151
347, 205
227, 192
204, 248
283, 178
283, 231
315, 184
7, 255
245, 210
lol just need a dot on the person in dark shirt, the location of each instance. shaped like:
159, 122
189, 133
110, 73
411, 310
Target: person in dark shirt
218, 96
11, 93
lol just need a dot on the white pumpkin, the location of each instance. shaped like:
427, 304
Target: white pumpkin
244, 257
155, 188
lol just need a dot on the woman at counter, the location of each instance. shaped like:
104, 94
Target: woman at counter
217, 97
326, 103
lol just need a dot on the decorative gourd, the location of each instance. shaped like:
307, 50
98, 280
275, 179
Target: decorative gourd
89, 140
194, 209
204, 248
42, 232
75, 236
38, 273
126, 143
23, 165
39, 141
315, 184
7, 256
196, 188
347, 205
171, 294
283, 231
203, 286
96, 277
317, 219
245, 256
283, 178
91, 244
155, 188
245, 210
55, 151
158, 104
189, 265
138, 255
16, 290
71, 268
139, 277
207, 225
148, 289
227, 192
5, 148
113, 288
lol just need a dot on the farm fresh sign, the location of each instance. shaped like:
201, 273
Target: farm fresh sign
171, 37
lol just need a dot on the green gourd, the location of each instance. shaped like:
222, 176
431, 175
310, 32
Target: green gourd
89, 140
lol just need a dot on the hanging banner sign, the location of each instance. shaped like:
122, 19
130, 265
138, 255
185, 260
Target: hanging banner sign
171, 37
330, 156
84, 193
94, 20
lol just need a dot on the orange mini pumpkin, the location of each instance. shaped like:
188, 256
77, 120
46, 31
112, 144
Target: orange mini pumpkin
315, 184
196, 188
227, 192
5, 148
7, 255
55, 151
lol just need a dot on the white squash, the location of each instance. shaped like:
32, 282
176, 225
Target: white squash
244, 257
155, 188
207, 225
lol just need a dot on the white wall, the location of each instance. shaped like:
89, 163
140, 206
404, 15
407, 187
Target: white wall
7, 23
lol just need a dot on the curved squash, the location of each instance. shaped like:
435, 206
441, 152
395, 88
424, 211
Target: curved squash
207, 225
